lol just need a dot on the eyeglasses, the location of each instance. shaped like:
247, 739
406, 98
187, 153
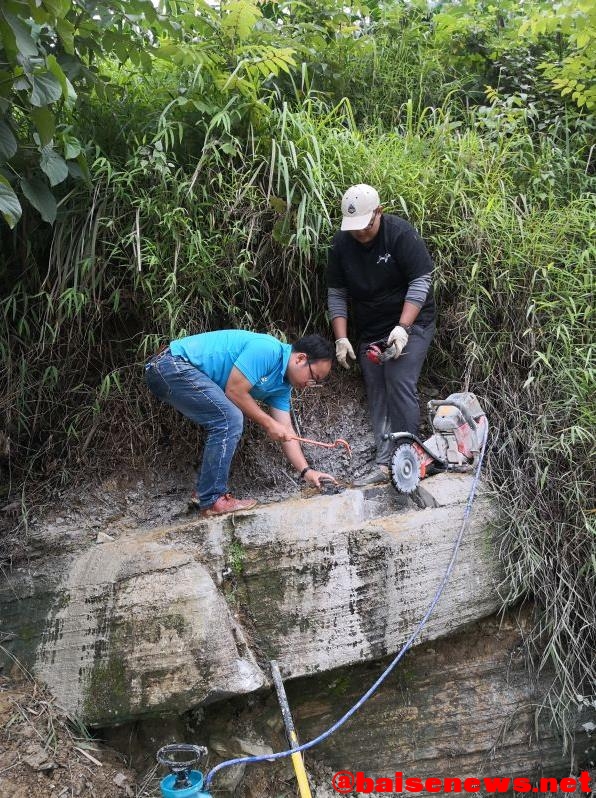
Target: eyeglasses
314, 380
370, 225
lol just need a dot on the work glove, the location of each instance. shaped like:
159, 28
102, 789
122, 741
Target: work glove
398, 338
343, 350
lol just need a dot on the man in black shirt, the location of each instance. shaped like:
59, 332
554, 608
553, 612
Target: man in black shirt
379, 263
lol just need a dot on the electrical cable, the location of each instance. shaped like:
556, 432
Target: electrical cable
312, 743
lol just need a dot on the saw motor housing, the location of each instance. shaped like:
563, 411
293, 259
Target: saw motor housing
459, 430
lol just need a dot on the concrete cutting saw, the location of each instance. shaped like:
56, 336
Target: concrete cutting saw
459, 429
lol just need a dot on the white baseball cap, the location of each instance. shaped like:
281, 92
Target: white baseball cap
357, 206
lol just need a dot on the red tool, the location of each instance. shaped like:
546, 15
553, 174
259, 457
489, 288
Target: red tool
379, 351
337, 442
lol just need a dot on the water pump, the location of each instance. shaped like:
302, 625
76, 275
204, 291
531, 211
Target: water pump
182, 782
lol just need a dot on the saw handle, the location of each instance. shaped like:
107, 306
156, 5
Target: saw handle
436, 403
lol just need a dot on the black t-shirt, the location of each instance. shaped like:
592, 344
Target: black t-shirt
377, 275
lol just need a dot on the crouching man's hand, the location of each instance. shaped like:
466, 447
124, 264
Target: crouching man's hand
314, 478
279, 432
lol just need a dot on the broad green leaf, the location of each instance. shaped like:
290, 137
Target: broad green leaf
583, 39
122, 50
21, 84
65, 30
59, 8
42, 199
10, 207
83, 166
53, 165
68, 92
72, 147
206, 108
8, 143
25, 44
39, 15
75, 171
44, 121
5, 83
46, 89
146, 61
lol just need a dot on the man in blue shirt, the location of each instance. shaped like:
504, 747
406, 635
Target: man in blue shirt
217, 378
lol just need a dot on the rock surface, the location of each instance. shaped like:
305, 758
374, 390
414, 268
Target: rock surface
160, 621
463, 706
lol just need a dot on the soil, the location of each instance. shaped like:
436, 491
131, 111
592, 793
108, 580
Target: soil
43, 753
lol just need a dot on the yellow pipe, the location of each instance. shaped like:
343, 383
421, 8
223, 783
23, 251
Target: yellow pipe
299, 770
297, 760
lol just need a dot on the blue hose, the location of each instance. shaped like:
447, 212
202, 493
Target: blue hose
311, 743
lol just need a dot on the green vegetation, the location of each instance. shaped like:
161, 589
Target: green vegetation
235, 554
191, 159
107, 686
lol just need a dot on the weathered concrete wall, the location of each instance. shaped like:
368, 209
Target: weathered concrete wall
163, 620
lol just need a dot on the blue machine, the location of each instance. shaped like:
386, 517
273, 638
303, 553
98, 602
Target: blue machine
182, 782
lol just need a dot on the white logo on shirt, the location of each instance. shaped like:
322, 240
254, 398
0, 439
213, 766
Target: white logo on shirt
384, 258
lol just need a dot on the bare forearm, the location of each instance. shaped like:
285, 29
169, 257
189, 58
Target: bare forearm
295, 455
340, 327
250, 408
409, 314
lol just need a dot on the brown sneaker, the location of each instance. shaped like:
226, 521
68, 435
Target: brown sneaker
227, 504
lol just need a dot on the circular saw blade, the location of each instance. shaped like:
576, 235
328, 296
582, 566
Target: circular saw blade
405, 469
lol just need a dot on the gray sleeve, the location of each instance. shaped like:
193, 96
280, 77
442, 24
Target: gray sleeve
417, 290
337, 302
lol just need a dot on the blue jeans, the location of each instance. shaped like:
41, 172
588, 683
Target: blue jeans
392, 390
181, 385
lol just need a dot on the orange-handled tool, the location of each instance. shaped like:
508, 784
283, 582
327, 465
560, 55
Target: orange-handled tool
335, 444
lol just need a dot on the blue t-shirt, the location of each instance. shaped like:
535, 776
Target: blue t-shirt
261, 358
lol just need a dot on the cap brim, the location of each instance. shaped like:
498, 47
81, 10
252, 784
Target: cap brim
356, 222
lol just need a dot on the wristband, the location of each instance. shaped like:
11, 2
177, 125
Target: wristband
406, 327
303, 472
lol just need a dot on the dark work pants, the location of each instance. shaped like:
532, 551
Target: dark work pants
392, 390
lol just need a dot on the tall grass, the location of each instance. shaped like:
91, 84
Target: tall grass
168, 244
